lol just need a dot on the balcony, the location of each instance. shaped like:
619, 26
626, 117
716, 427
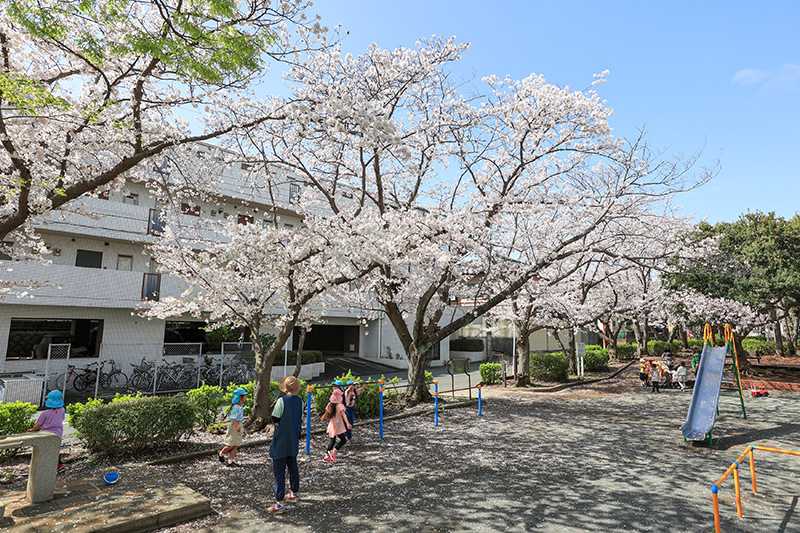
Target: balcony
62, 285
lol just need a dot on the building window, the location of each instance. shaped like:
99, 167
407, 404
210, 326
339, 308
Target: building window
89, 259
245, 219
151, 287
131, 198
294, 193
189, 209
155, 224
30, 338
124, 262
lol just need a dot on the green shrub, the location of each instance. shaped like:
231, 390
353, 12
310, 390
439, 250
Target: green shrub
550, 366
135, 424
626, 350
657, 347
491, 373
695, 344
206, 401
75, 410
758, 346
368, 402
428, 377
119, 398
15, 417
467, 344
595, 359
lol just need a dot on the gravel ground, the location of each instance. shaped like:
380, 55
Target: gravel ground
607, 457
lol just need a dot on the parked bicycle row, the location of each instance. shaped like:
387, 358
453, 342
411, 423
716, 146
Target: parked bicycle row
106, 378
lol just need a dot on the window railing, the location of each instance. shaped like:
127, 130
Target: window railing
151, 287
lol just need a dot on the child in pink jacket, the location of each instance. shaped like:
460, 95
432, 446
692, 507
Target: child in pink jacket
338, 425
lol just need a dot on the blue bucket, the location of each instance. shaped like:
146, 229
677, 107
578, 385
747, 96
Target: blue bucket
111, 477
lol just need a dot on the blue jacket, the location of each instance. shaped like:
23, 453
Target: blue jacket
287, 434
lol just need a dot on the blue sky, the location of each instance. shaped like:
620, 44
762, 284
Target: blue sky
721, 77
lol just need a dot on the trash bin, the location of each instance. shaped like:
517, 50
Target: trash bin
21, 388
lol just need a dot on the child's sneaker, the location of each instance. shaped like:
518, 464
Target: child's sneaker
277, 507
328, 458
61, 468
291, 497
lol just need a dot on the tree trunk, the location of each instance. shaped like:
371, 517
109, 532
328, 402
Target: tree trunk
261, 415
298, 365
791, 340
640, 332
684, 338
572, 354
741, 355
522, 372
776, 329
418, 391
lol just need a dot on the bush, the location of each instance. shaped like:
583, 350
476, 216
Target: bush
15, 417
595, 359
467, 344
695, 344
206, 402
758, 346
368, 403
657, 347
428, 377
626, 350
76, 410
135, 424
491, 373
551, 366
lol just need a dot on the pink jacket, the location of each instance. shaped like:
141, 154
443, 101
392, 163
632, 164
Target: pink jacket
338, 423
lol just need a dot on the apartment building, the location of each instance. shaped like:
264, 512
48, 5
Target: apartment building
100, 275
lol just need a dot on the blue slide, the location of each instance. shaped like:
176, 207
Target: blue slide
705, 396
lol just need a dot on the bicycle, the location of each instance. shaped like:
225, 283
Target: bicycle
78, 379
113, 380
179, 375
142, 377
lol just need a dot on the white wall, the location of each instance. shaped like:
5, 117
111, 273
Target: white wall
124, 336
381, 331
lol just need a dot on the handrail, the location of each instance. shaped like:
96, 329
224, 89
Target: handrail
747, 455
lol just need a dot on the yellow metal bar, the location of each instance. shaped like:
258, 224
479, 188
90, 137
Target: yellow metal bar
753, 483
737, 492
778, 450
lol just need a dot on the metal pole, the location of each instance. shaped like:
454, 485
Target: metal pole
480, 402
99, 369
380, 409
737, 491
715, 507
221, 362
513, 352
66, 371
46, 371
753, 483
309, 397
155, 376
199, 363
435, 403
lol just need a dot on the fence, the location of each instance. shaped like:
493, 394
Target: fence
747, 455
438, 405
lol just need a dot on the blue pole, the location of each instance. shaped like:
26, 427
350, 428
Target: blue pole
308, 419
435, 403
380, 409
480, 402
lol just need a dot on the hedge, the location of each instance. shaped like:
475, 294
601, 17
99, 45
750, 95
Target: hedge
467, 344
491, 373
206, 401
15, 417
758, 346
135, 424
595, 359
626, 350
368, 402
551, 366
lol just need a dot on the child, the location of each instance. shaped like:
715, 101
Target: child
643, 372
287, 417
233, 437
680, 375
336, 415
655, 378
52, 419
350, 397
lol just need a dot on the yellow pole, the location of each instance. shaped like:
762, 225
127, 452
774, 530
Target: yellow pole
778, 450
715, 507
737, 492
753, 483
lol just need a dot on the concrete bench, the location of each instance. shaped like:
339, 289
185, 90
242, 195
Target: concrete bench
44, 462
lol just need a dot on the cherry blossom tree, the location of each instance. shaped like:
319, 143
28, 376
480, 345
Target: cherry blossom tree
462, 200
94, 91
258, 276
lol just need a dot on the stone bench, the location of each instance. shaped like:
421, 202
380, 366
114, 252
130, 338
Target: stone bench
44, 462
